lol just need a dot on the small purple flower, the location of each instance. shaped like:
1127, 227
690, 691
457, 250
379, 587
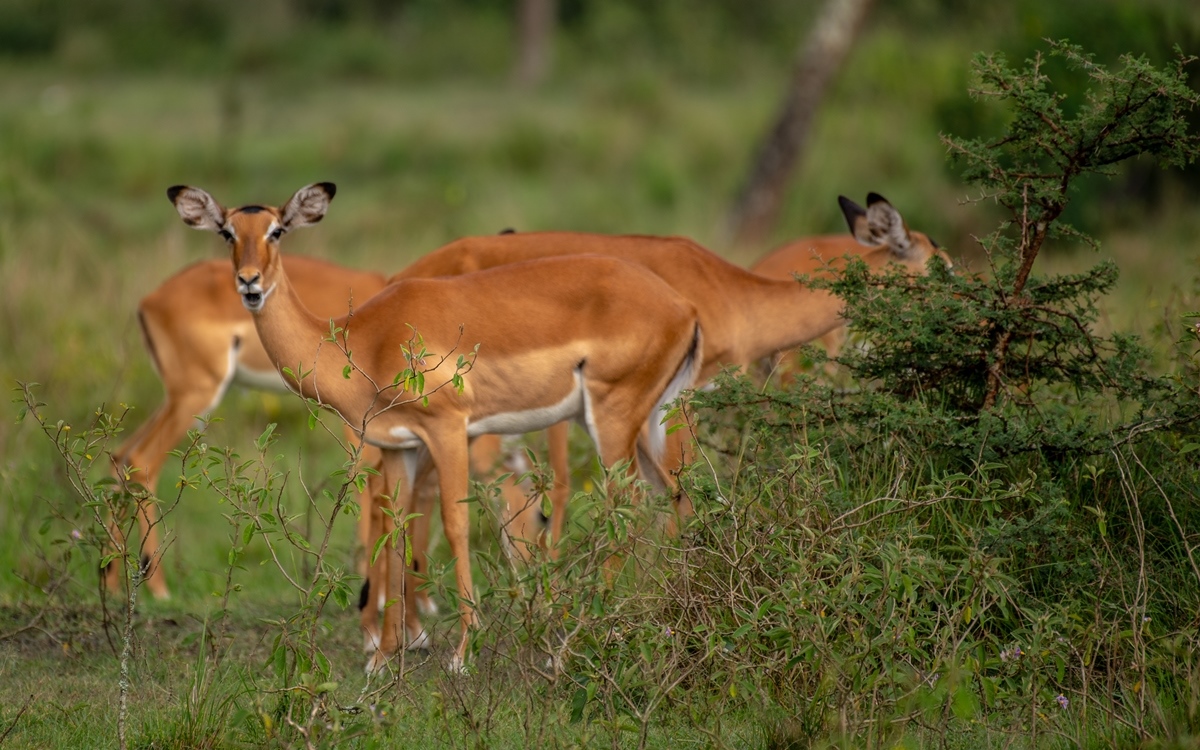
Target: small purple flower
1062, 701
1011, 654
76, 534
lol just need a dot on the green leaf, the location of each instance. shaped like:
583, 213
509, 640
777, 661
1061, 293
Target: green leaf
279, 659
578, 704
265, 438
375, 550
965, 705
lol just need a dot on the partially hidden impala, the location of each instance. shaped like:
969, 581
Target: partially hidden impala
201, 341
877, 233
745, 316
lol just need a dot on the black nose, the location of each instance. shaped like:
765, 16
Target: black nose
248, 281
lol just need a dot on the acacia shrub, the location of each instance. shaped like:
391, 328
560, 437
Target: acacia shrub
1033, 471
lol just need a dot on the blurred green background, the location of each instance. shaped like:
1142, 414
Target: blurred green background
647, 121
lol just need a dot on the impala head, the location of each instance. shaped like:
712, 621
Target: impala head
881, 224
253, 232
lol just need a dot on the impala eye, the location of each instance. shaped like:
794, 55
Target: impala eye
275, 234
225, 235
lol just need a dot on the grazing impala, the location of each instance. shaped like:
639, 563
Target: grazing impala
593, 339
876, 232
201, 339
744, 316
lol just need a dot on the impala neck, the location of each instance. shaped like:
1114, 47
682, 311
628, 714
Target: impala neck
778, 315
296, 339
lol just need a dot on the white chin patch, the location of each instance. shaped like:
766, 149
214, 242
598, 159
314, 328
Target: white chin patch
254, 299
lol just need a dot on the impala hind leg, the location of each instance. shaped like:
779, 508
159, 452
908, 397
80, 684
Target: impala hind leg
678, 451
196, 365
139, 460
522, 526
558, 439
529, 515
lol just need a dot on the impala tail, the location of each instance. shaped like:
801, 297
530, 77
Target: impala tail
685, 377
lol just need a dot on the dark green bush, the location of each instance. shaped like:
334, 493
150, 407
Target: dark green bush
1001, 475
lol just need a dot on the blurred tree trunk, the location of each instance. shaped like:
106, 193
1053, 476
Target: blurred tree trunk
535, 37
820, 58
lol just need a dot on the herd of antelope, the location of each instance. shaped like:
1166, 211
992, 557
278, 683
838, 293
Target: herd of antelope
512, 333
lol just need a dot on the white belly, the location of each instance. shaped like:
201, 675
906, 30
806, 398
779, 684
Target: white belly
529, 420
263, 380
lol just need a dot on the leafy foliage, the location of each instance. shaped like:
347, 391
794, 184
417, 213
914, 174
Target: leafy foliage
1029, 455
992, 366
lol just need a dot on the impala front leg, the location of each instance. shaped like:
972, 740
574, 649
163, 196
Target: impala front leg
371, 527
398, 467
449, 451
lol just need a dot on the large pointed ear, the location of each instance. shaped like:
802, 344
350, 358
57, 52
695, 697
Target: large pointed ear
856, 219
307, 206
885, 226
197, 208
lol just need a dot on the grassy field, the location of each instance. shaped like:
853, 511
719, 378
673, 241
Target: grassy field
85, 231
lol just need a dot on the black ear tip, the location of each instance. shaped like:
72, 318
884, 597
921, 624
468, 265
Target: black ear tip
873, 198
850, 209
174, 191
328, 187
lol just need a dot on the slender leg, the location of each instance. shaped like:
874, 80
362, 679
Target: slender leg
194, 364
677, 453
375, 587
449, 451
425, 493
141, 458
558, 443
368, 456
398, 467
521, 524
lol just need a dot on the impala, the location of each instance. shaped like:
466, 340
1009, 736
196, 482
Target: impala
593, 339
876, 232
744, 315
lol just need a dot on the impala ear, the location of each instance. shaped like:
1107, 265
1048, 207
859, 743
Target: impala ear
885, 226
856, 219
307, 206
197, 208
